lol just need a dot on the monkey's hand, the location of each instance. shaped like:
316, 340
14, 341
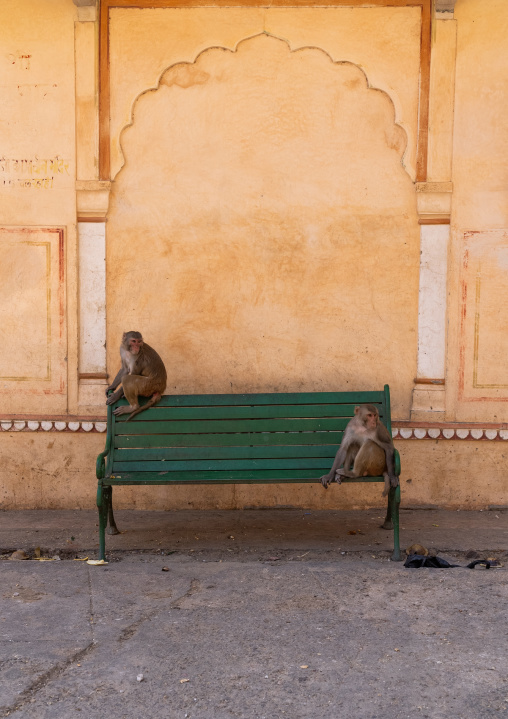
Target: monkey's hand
115, 396
394, 480
326, 479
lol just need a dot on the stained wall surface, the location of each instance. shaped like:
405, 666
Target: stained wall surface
279, 210
261, 221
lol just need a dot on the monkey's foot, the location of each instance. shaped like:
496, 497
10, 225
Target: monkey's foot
124, 410
343, 473
394, 481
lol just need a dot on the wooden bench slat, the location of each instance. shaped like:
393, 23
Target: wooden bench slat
225, 425
345, 411
239, 476
185, 453
217, 465
270, 399
269, 439
127, 479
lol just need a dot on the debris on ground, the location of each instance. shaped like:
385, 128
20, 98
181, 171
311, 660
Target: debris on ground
416, 561
18, 555
494, 563
417, 549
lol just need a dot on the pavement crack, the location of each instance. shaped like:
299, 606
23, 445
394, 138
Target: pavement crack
195, 586
129, 631
53, 673
91, 606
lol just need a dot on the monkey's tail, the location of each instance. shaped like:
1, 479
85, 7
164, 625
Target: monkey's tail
153, 400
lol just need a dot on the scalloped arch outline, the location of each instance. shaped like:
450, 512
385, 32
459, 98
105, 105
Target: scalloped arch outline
233, 51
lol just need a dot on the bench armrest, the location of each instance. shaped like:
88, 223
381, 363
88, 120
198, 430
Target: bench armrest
100, 465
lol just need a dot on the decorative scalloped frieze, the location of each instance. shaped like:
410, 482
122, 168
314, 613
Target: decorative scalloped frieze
47, 425
443, 432
91, 425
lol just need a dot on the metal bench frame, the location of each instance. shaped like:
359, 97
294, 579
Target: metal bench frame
233, 439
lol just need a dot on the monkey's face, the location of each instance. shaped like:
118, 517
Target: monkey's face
135, 344
370, 420
368, 415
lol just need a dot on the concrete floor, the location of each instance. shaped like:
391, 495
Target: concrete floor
276, 613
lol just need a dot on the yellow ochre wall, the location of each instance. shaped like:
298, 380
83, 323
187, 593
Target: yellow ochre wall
262, 211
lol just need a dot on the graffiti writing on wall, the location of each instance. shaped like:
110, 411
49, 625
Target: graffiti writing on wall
39, 173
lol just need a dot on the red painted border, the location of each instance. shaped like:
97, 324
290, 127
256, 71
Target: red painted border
61, 281
462, 323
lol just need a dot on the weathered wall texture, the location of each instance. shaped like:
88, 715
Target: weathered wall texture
37, 202
279, 209
383, 41
52, 471
260, 197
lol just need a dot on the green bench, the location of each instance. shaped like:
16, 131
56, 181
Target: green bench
233, 439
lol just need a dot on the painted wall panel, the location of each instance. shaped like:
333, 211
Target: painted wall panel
92, 296
33, 373
484, 326
432, 301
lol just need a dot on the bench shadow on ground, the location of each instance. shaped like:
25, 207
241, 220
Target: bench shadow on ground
272, 532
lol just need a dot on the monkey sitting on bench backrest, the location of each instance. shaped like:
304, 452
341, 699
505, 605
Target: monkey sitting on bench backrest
142, 374
368, 444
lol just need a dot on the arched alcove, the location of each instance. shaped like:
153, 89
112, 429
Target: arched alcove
262, 233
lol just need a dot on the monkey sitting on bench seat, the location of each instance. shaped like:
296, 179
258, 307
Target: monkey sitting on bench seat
368, 444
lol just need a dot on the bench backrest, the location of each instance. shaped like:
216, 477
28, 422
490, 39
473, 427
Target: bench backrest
248, 438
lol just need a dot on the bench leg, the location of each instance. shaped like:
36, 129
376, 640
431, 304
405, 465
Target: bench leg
113, 529
393, 504
103, 496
